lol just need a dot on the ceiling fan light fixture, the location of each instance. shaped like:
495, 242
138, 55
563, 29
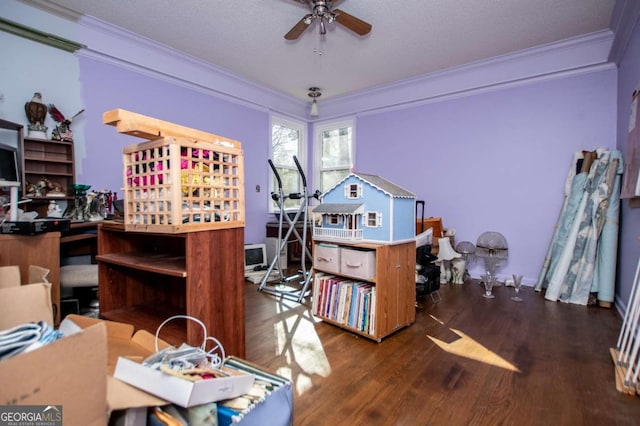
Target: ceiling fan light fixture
324, 12
314, 93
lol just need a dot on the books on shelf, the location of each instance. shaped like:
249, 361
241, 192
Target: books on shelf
345, 301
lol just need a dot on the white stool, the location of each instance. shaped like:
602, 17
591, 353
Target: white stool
79, 276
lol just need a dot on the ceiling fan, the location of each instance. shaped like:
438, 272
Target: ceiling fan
323, 12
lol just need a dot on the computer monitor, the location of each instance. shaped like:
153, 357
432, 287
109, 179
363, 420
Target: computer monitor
255, 255
9, 164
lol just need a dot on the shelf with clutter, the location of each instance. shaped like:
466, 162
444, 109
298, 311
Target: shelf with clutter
179, 248
47, 164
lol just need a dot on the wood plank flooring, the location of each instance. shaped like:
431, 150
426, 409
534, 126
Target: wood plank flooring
537, 363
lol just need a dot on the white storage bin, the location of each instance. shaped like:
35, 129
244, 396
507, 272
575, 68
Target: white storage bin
358, 263
326, 257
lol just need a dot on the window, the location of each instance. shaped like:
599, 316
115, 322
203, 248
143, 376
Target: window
287, 139
353, 191
334, 219
373, 219
334, 148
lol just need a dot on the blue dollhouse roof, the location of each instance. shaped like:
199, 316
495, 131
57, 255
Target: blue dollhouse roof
382, 184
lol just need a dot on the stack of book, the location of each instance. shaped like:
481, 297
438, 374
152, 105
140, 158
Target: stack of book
345, 301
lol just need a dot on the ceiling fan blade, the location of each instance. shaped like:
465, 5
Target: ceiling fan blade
356, 25
297, 29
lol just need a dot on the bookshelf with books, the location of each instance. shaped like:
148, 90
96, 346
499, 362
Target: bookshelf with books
365, 288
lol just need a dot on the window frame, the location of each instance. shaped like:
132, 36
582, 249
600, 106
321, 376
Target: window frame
377, 219
318, 129
299, 126
353, 191
334, 220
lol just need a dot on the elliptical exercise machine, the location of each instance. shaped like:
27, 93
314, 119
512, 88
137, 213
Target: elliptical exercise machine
295, 287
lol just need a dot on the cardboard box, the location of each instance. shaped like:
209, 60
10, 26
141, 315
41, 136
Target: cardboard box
68, 372
24, 303
141, 386
122, 341
74, 371
434, 223
180, 391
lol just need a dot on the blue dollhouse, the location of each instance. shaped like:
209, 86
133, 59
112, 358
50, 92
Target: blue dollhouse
363, 207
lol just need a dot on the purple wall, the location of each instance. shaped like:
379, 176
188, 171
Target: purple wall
106, 87
494, 161
628, 81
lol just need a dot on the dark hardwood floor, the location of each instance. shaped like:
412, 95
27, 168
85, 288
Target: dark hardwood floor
536, 363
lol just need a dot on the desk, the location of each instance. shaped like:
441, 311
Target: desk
46, 250
81, 239
294, 248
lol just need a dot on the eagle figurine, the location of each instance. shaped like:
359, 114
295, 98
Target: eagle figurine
62, 132
36, 112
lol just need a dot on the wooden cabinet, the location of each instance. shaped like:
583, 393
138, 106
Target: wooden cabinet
49, 159
390, 284
41, 250
146, 277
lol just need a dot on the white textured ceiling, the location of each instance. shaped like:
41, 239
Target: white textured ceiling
409, 37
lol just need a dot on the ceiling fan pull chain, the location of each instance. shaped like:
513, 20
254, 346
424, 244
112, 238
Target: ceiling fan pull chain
319, 48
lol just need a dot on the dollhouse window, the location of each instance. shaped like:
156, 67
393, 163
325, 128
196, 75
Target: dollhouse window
353, 191
373, 219
334, 219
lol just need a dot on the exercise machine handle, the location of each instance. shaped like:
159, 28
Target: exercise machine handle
275, 172
304, 179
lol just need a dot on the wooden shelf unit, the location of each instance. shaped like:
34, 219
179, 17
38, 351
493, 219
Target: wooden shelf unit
50, 159
144, 278
394, 282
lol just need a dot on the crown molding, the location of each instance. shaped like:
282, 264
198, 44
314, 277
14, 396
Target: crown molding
623, 21
126, 49
575, 55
